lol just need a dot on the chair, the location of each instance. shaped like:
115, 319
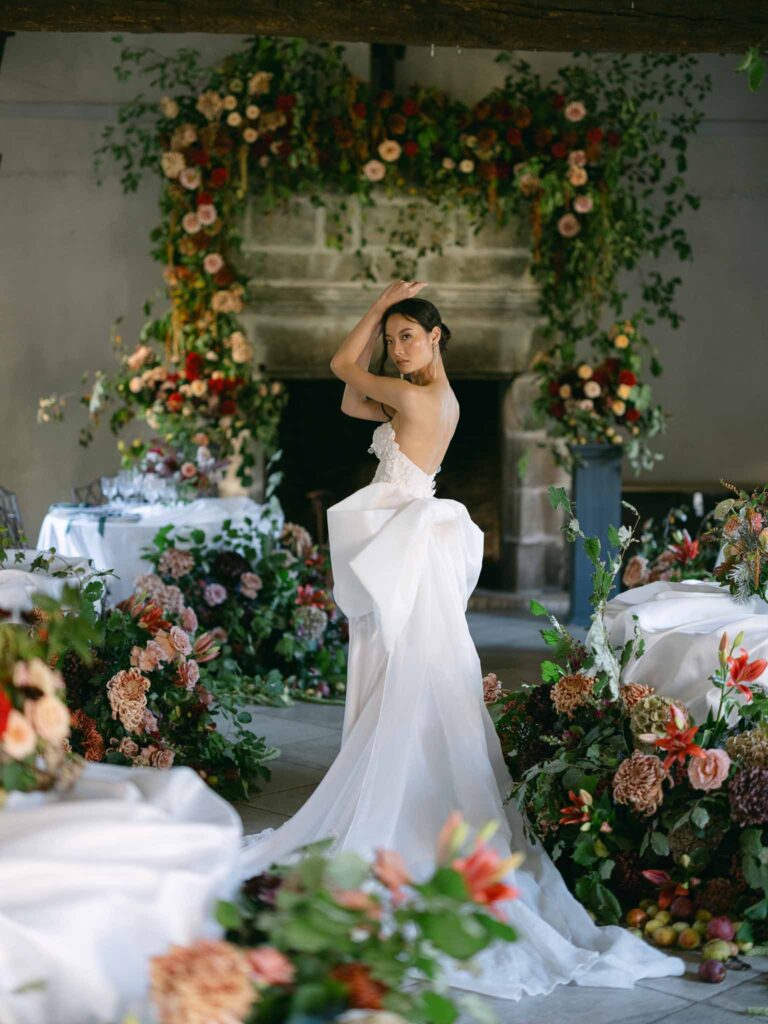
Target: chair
89, 494
10, 518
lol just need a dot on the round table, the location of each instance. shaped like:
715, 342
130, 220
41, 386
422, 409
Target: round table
19, 582
681, 625
114, 537
96, 881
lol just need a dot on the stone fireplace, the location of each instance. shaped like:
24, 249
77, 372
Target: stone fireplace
303, 298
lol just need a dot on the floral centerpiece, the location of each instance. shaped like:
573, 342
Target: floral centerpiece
149, 698
35, 724
667, 551
632, 798
744, 536
267, 598
332, 934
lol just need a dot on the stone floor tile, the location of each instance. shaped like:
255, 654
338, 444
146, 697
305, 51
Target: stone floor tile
277, 731
318, 752
699, 1013
255, 819
290, 775
753, 992
576, 1004
284, 802
330, 716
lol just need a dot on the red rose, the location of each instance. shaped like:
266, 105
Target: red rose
359, 109
627, 377
553, 387
285, 101
228, 407
411, 148
410, 108
558, 101
632, 415
514, 136
612, 365
5, 710
613, 138
557, 409
175, 401
172, 378
219, 176
559, 150
193, 365
199, 157
600, 377
216, 385
204, 198
594, 134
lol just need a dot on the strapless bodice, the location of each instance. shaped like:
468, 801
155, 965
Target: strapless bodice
396, 468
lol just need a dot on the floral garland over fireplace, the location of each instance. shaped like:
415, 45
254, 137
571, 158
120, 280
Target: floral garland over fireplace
581, 160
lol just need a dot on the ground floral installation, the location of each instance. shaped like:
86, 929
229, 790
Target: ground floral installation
145, 695
586, 161
744, 535
35, 724
652, 818
329, 936
268, 601
666, 550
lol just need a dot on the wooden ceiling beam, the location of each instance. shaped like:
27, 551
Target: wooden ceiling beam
619, 26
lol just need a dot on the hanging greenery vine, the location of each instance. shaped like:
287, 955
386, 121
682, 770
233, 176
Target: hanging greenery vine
586, 160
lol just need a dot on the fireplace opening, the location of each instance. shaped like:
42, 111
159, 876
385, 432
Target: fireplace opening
325, 458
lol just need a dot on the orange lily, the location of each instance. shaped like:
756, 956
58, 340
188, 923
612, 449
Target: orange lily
578, 813
678, 742
744, 671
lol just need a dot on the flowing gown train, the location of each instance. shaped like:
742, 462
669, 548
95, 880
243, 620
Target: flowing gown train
417, 739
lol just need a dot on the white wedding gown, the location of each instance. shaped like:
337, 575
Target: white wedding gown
418, 742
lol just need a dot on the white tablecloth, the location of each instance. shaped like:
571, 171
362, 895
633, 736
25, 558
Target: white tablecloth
117, 543
681, 624
18, 584
94, 883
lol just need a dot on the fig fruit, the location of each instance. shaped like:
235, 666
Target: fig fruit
712, 971
681, 907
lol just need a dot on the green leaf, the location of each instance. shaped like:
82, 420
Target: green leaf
700, 817
537, 609
559, 498
592, 548
660, 844
550, 672
439, 1009
228, 915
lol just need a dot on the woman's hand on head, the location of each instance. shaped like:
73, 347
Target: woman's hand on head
399, 290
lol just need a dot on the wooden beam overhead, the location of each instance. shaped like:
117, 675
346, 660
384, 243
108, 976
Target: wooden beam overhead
619, 26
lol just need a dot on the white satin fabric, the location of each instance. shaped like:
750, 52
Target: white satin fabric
681, 625
94, 882
418, 742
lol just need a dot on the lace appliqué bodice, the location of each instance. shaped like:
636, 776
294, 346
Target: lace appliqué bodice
396, 468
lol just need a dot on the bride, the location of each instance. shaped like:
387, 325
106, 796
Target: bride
417, 740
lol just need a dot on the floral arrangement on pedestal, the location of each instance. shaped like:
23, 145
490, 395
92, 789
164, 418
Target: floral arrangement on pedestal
193, 473
744, 536
330, 936
147, 696
633, 799
267, 599
581, 159
604, 402
35, 724
667, 551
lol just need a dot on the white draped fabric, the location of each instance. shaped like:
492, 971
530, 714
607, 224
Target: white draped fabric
95, 882
18, 584
681, 625
418, 741
117, 543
